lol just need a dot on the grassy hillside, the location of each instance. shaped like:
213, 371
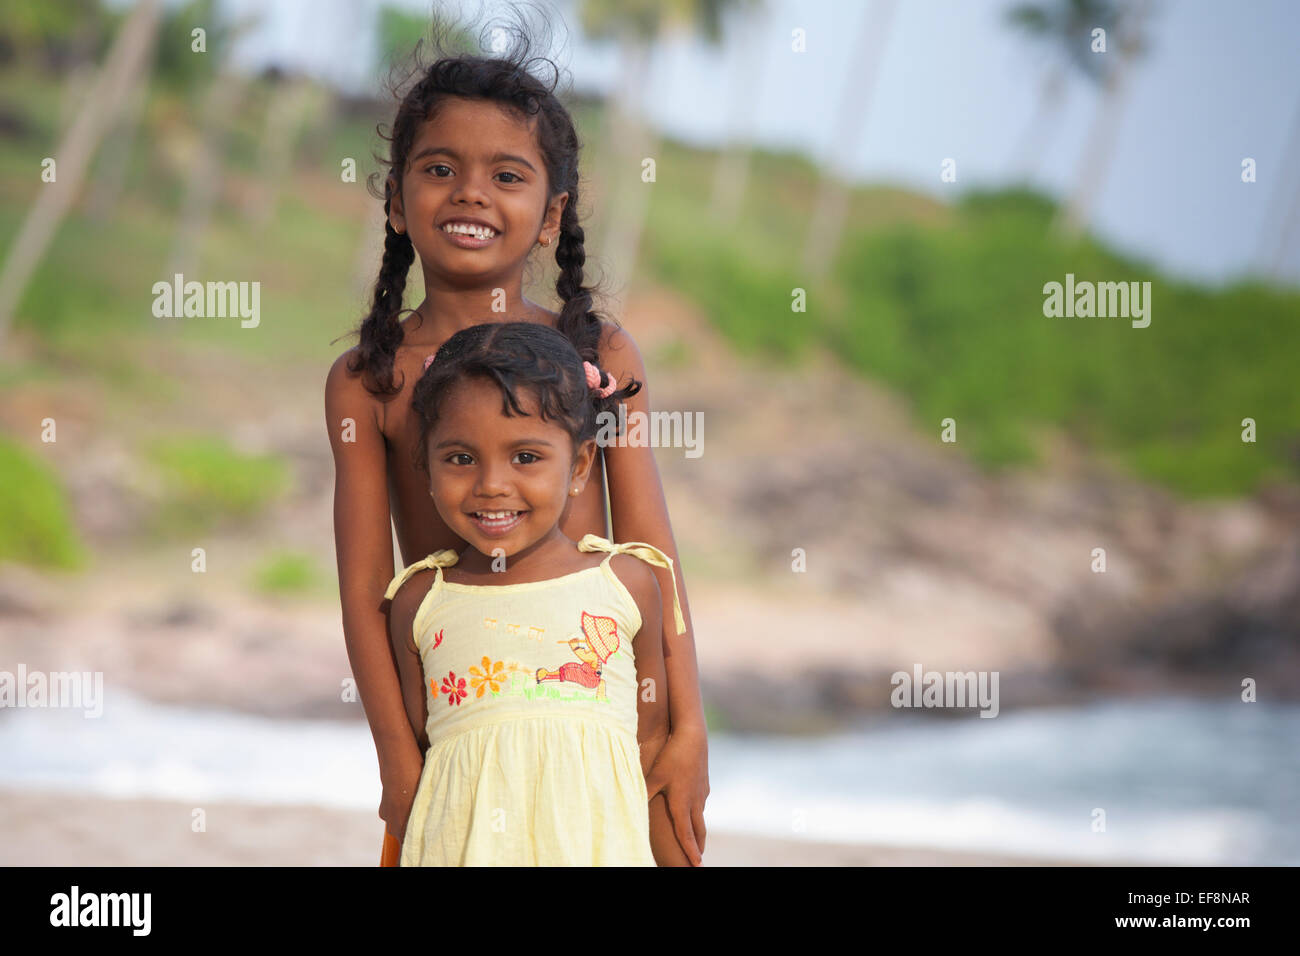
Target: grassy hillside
946, 305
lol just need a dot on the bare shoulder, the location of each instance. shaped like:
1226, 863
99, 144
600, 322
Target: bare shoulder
619, 352
341, 380
406, 604
344, 386
638, 578
346, 395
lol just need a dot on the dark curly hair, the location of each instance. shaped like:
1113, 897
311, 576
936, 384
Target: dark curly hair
507, 81
516, 355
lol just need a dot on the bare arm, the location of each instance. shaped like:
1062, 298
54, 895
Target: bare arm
652, 698
640, 513
364, 550
410, 668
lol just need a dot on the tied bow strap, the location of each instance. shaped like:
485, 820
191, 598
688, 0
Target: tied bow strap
646, 552
439, 559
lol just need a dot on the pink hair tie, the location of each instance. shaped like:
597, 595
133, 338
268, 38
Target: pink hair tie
427, 362
593, 381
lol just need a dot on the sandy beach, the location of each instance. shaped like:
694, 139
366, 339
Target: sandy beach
58, 829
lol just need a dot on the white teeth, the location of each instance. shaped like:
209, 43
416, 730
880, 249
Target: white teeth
465, 229
496, 515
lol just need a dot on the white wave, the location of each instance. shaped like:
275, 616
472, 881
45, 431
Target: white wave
1025, 784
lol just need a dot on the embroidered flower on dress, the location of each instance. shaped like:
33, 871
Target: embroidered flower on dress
490, 677
437, 639
454, 688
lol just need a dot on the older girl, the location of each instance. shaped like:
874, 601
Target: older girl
483, 170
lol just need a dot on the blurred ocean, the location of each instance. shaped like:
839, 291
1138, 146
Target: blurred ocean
1181, 781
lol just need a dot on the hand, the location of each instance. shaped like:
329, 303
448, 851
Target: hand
681, 771
400, 777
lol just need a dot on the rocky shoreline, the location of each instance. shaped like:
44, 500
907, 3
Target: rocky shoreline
912, 556
287, 660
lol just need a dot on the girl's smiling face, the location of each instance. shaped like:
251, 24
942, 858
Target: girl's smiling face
501, 481
475, 162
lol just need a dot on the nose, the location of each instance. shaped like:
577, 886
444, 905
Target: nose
469, 190
493, 480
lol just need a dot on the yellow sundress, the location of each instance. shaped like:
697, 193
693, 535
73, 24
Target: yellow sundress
533, 757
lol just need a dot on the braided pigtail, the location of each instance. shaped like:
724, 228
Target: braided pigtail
577, 321
380, 331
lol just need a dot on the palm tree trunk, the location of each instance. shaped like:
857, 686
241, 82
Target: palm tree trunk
831, 205
731, 170
203, 184
116, 160
290, 106
1284, 250
630, 142
1099, 148
1033, 141
125, 60
1274, 240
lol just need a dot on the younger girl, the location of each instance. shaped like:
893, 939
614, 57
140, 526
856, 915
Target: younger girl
538, 698
483, 172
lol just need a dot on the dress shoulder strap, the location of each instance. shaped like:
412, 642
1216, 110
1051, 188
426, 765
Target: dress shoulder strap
438, 560
647, 553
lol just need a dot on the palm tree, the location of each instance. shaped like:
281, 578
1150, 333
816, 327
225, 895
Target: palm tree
111, 180
1099, 148
832, 201
635, 25
225, 93
1066, 27
203, 176
128, 56
1275, 240
731, 170
1033, 141
293, 104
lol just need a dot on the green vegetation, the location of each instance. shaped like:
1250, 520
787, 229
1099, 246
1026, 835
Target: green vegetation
204, 481
288, 573
36, 525
955, 319
950, 312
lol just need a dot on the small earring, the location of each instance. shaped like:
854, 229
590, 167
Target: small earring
545, 242
574, 491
